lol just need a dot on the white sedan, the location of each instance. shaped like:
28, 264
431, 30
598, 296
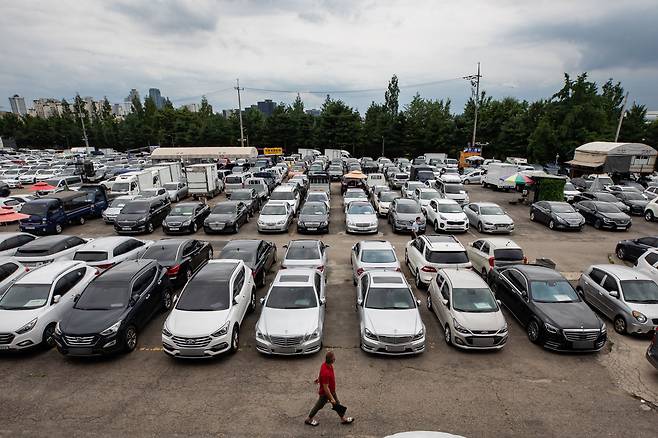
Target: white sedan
373, 255
305, 254
360, 217
488, 217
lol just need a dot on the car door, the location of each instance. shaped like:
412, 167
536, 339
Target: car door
610, 305
146, 304
444, 303
592, 289
541, 215
320, 290
240, 299
261, 260
361, 294
475, 255
416, 258
508, 291
586, 208
64, 287
472, 212
485, 254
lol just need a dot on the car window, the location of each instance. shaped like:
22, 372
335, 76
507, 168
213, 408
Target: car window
318, 284
238, 283
188, 249
477, 245
610, 284
143, 281
596, 275
516, 279
651, 258
648, 241
68, 281
485, 247
445, 291
121, 249
364, 285
6, 270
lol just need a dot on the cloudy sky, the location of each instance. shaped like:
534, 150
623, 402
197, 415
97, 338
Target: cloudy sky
188, 48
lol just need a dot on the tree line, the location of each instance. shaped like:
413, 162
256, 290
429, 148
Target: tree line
578, 113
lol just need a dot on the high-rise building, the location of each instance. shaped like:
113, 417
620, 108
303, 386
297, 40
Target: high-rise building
191, 107
46, 108
156, 97
266, 107
133, 93
18, 105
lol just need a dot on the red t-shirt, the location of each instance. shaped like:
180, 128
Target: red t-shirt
327, 377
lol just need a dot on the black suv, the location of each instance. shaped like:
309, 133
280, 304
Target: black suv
141, 216
249, 197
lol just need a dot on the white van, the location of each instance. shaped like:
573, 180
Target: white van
375, 179
235, 182
496, 175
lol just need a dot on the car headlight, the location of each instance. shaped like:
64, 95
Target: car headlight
166, 332
561, 219
551, 328
458, 327
324, 223
230, 222
111, 330
637, 315
350, 223
58, 330
488, 224
443, 218
260, 335
27, 327
187, 223
222, 331
419, 335
314, 335
281, 222
504, 329
370, 335
603, 327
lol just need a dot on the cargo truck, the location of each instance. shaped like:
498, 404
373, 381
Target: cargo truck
203, 180
496, 175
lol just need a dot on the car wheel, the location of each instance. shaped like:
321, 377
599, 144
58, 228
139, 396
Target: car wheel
620, 253
648, 215
252, 301
58, 229
195, 227
466, 182
480, 229
167, 300
47, 340
598, 224
533, 331
150, 228
81, 221
235, 339
447, 335
130, 339
532, 216
620, 325
551, 225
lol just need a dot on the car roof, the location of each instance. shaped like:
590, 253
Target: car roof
47, 273
219, 269
188, 204
622, 272
536, 272
246, 244
445, 201
485, 204
105, 243
405, 201
500, 242
8, 235
295, 272
463, 278
285, 188
46, 242
127, 268
376, 244
381, 277
304, 243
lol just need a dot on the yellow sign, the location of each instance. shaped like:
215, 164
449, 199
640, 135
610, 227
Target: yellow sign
273, 151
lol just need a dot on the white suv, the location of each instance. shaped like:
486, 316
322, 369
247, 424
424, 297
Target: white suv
446, 215
34, 304
373, 255
427, 254
423, 196
485, 254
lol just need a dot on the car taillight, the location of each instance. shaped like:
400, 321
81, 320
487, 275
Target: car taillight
27, 269
320, 268
173, 270
105, 266
492, 260
359, 271
428, 269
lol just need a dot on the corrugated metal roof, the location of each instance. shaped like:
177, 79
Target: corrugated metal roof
204, 152
608, 147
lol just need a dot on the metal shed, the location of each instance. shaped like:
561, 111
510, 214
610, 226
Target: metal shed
610, 157
202, 154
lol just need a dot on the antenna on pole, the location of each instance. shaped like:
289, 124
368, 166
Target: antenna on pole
621, 117
82, 121
475, 89
240, 112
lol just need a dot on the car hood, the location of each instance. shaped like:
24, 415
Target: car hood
220, 218
12, 320
493, 321
454, 216
172, 192
570, 216
620, 215
312, 218
570, 315
309, 263
192, 324
648, 310
393, 322
409, 216
362, 218
272, 218
113, 211
178, 218
638, 202
497, 219
288, 322
130, 217
81, 322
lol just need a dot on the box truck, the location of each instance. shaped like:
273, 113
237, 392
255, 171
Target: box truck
203, 180
496, 175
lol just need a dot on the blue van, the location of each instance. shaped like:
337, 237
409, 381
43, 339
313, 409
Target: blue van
50, 214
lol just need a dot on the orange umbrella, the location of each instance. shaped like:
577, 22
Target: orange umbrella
7, 214
41, 186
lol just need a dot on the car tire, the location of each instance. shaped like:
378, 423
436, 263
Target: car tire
447, 335
620, 325
150, 228
235, 339
81, 221
466, 182
598, 224
167, 300
620, 253
533, 331
532, 216
195, 227
252, 301
480, 228
130, 339
551, 225
648, 216
58, 229
48, 332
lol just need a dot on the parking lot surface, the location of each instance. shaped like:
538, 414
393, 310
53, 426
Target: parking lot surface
522, 390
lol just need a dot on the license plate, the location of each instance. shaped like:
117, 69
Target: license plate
80, 351
483, 342
173, 228
582, 345
125, 228
191, 352
27, 227
395, 348
312, 228
285, 350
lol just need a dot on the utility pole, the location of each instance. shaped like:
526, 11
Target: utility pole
82, 121
383, 146
240, 112
475, 86
621, 117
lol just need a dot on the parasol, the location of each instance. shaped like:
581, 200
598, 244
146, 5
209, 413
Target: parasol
41, 186
519, 178
7, 214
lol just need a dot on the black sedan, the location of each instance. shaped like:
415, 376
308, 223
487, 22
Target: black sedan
636, 202
185, 217
632, 249
141, 216
313, 217
259, 255
549, 308
249, 197
113, 308
603, 197
603, 215
226, 216
557, 215
181, 257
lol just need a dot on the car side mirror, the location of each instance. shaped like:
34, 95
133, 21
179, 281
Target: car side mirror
359, 301
76, 298
323, 301
262, 301
235, 301
56, 299
524, 294
614, 293
445, 302
133, 299
499, 303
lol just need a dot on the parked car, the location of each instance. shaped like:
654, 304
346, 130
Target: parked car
185, 217
275, 216
292, 319
49, 249
51, 213
11, 241
636, 202
623, 294
112, 310
258, 255
651, 210
647, 264
602, 197
141, 216
423, 196
289, 195
373, 255
426, 254
486, 254
110, 214
632, 249
176, 191
159, 193
33, 304
10, 271
260, 186
318, 196
360, 217
488, 217
452, 190
208, 314
409, 187
304, 253
352, 195
403, 212
249, 198
557, 215
180, 257
474, 177
226, 216
603, 215
383, 201
651, 192
389, 319
467, 310
105, 252
548, 307
446, 215
398, 180
570, 192
313, 217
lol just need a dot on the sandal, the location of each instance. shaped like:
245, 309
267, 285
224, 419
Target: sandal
348, 420
313, 423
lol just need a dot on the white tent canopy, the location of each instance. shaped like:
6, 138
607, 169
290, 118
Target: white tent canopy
615, 157
203, 153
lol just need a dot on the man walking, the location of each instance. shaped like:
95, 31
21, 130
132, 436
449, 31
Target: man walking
327, 392
415, 228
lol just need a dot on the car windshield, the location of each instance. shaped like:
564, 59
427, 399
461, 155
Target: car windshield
162, 253
316, 197
282, 196
171, 186
401, 176
90, 256
104, 294
357, 194
553, 291
388, 196
398, 298
429, 194
233, 180
300, 297
25, 297
360, 209
273, 210
183, 210
238, 169
135, 208
37, 209
204, 295
473, 300
118, 203
491, 211
640, 291
450, 208
568, 187
249, 257
453, 189
508, 254
120, 187
632, 196
606, 197
607, 208
224, 209
378, 256
408, 207
303, 252
450, 257
562, 208
316, 208
149, 193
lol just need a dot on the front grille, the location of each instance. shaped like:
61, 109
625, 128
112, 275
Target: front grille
79, 341
396, 340
191, 342
621, 221
363, 225
483, 332
286, 341
6, 338
581, 334
125, 224
455, 223
174, 224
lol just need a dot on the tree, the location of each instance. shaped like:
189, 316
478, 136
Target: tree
634, 126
